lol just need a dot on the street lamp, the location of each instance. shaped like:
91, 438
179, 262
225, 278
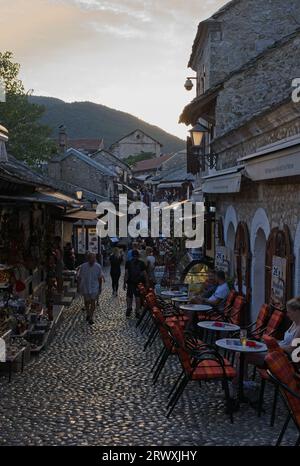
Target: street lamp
197, 133
79, 195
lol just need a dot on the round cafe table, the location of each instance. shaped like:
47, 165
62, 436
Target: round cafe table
196, 308
235, 345
180, 299
169, 294
219, 326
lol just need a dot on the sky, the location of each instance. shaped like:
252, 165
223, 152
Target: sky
130, 55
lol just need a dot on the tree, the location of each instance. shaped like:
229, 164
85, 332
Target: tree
29, 140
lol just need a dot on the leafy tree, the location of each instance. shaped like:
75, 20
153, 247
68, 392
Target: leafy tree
29, 140
134, 159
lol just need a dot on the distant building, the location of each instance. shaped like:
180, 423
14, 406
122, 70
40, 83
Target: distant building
85, 145
136, 143
149, 167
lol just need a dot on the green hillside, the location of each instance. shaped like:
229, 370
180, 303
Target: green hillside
90, 120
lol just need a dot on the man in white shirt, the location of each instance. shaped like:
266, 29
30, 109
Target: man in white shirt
218, 298
90, 279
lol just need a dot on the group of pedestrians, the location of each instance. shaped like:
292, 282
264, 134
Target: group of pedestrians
139, 268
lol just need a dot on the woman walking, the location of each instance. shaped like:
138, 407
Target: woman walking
116, 260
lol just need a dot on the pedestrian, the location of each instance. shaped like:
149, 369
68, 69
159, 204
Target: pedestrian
90, 280
150, 265
116, 260
135, 273
134, 247
69, 257
58, 253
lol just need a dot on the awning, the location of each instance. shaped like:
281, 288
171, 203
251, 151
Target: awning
223, 182
170, 185
276, 161
37, 198
82, 215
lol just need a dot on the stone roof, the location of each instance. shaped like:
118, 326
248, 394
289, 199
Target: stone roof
22, 173
203, 25
86, 159
151, 164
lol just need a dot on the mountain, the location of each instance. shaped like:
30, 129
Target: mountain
90, 120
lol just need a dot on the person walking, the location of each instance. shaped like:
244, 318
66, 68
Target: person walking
90, 278
59, 258
150, 265
116, 260
135, 273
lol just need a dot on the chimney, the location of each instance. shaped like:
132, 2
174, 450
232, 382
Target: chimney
101, 145
3, 140
62, 139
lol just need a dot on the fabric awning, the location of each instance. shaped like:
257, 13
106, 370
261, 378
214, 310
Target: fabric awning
277, 161
224, 181
82, 215
170, 185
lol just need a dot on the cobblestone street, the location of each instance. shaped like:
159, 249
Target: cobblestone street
91, 386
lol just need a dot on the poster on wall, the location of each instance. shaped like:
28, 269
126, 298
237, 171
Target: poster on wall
222, 259
278, 281
93, 241
81, 241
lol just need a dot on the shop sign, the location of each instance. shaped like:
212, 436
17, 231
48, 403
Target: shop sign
222, 260
274, 167
278, 282
81, 241
93, 241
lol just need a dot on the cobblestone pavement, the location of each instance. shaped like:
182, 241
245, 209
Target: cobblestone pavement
91, 386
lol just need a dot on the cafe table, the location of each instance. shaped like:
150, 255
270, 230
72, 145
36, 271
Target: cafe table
196, 307
180, 299
169, 294
235, 345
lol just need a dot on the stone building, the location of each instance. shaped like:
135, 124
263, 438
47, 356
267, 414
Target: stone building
136, 143
78, 169
246, 57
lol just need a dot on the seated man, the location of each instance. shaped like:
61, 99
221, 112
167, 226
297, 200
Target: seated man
208, 290
218, 298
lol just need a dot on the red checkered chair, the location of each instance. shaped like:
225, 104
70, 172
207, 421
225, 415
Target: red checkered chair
200, 362
283, 374
214, 314
274, 325
256, 329
273, 346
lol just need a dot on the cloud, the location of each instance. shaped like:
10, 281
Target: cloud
128, 54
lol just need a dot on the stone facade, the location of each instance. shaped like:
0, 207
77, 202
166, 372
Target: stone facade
134, 144
239, 33
82, 172
256, 56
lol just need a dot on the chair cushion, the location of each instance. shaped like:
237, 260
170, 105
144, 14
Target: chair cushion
209, 369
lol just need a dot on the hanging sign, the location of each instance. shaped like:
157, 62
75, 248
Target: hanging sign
278, 281
81, 241
93, 241
222, 259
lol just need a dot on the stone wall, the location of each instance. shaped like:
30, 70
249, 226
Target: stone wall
74, 171
248, 28
280, 200
265, 84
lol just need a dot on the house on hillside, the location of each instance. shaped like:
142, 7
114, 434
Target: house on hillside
136, 143
85, 145
146, 168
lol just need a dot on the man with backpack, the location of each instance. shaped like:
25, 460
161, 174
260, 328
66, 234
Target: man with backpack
135, 273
